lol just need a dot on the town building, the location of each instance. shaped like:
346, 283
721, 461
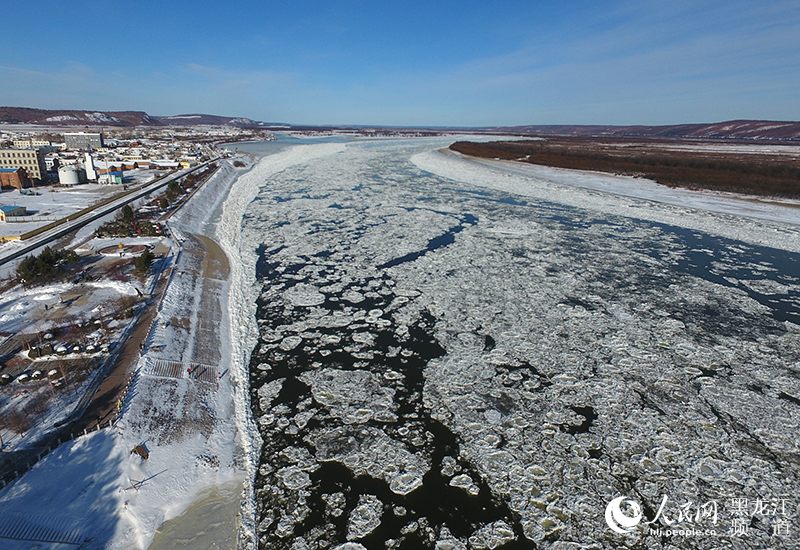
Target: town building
14, 177
91, 174
165, 164
52, 162
111, 174
32, 160
31, 143
10, 210
83, 140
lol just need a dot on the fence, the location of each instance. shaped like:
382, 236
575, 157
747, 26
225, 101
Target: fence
70, 434
167, 368
40, 528
23, 219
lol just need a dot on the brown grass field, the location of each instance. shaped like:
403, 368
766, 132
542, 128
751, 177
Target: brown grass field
763, 174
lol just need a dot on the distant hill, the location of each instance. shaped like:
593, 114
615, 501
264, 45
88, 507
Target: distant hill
53, 117
213, 120
732, 129
56, 117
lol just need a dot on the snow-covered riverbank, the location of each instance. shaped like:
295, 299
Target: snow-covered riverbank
93, 488
242, 293
765, 224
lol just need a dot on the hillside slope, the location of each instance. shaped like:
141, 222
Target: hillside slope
73, 117
732, 129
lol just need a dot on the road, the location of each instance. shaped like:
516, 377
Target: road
70, 226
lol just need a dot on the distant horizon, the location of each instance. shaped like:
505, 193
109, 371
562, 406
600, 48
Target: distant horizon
363, 125
413, 64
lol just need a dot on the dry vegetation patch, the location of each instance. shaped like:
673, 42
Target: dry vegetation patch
764, 174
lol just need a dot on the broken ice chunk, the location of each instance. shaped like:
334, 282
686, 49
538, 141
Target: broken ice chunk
493, 535
294, 478
290, 342
463, 481
405, 483
365, 518
304, 295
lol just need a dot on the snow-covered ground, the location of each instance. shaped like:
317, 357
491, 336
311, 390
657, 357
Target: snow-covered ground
716, 213
20, 305
737, 148
81, 314
98, 244
52, 202
186, 423
193, 429
56, 201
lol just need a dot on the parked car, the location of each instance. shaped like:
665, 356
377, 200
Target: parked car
54, 375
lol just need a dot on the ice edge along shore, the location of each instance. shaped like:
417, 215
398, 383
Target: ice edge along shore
773, 225
241, 304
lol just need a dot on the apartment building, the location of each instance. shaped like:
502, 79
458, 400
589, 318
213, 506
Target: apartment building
83, 140
32, 160
30, 143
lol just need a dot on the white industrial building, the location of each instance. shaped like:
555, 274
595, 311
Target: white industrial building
71, 175
91, 173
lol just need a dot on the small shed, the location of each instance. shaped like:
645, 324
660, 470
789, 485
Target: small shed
10, 211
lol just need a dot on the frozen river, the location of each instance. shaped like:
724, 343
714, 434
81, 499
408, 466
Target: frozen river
446, 364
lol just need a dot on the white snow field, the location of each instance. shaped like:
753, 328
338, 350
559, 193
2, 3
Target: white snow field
51, 202
624, 195
111, 498
90, 484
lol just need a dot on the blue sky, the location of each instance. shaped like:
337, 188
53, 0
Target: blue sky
410, 62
